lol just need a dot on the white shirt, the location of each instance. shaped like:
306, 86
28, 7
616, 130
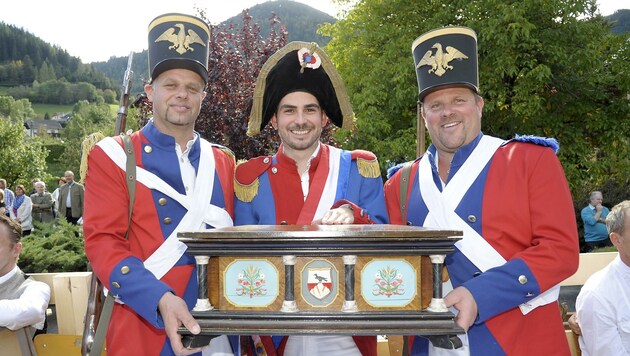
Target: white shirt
603, 309
185, 166
321, 345
69, 196
305, 177
29, 309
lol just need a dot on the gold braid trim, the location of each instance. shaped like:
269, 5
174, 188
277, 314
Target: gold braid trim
246, 193
368, 169
86, 146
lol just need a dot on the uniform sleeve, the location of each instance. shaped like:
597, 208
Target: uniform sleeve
109, 252
28, 309
538, 238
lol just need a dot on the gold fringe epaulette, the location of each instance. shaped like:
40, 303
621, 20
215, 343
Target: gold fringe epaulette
246, 193
368, 168
86, 146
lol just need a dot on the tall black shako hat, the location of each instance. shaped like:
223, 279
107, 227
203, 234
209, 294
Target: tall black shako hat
299, 66
445, 57
178, 41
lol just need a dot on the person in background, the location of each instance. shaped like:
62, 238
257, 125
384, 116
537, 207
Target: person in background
22, 209
8, 196
34, 189
188, 186
55, 195
594, 219
3, 207
42, 204
307, 181
71, 199
510, 198
23, 301
602, 313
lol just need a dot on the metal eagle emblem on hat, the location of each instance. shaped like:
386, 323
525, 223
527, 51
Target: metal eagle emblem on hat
181, 41
440, 61
460, 43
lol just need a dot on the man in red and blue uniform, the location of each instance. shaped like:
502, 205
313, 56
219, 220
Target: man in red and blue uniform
307, 181
511, 200
182, 183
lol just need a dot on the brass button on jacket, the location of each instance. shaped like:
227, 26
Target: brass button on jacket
522, 279
167, 220
162, 201
115, 284
124, 269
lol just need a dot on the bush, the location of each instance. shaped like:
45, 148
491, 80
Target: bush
53, 248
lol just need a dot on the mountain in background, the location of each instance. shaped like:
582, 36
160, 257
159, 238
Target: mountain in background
300, 20
620, 20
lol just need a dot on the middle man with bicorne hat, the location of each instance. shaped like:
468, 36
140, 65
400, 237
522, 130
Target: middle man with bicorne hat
307, 181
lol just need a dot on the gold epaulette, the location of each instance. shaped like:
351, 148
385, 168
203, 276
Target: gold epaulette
86, 146
246, 193
246, 181
368, 168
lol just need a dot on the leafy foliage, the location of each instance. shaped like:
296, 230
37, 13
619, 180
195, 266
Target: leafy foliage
58, 92
236, 56
22, 158
548, 68
87, 118
53, 248
15, 109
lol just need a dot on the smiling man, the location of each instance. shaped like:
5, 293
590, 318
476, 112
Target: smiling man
510, 198
183, 183
307, 181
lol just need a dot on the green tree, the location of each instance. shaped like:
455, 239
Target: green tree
548, 68
16, 109
22, 158
87, 118
46, 72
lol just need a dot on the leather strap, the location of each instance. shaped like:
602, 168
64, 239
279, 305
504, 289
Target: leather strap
404, 187
108, 305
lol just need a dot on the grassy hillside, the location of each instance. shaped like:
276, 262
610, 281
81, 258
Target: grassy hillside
51, 109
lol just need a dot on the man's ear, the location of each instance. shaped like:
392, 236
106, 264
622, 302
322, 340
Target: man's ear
17, 249
274, 121
615, 238
148, 88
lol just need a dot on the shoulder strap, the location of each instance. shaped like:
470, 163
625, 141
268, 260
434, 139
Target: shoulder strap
404, 188
131, 177
108, 305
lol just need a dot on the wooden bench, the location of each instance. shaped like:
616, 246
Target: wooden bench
18, 342
69, 295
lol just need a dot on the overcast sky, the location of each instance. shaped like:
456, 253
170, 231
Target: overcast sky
97, 30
